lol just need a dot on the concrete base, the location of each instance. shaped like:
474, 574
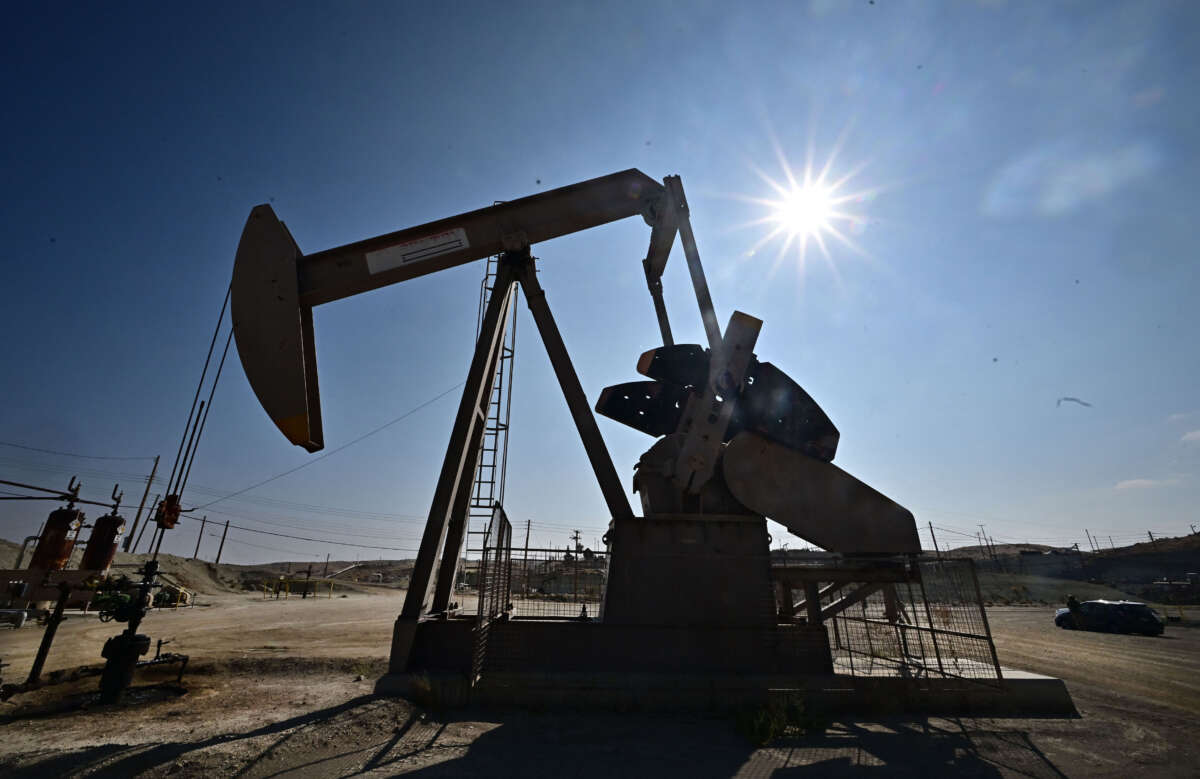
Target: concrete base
1019, 694
576, 646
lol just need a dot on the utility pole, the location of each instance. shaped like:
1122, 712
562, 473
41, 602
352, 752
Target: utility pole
935, 546
575, 538
133, 550
199, 538
1091, 543
983, 541
1152, 541
1110, 543
326, 572
222, 546
138, 517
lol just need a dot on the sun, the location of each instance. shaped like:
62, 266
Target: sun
813, 206
806, 211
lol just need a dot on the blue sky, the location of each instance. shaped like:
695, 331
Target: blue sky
1028, 172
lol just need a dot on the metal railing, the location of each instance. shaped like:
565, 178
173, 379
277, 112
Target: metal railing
494, 584
933, 625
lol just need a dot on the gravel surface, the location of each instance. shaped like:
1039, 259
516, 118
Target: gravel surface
274, 693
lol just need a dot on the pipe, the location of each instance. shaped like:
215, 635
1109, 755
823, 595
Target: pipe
35, 673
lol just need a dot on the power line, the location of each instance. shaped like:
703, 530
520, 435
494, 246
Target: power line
317, 540
52, 468
268, 548
337, 530
312, 508
70, 454
307, 463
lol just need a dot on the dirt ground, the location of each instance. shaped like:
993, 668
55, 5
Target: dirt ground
283, 688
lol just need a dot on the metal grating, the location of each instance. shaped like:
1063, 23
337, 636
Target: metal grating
932, 625
558, 583
543, 583
494, 583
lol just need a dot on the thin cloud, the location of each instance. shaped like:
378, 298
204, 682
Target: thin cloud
1191, 437
1057, 178
1143, 484
1181, 417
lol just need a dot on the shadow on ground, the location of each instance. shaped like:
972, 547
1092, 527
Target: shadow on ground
374, 736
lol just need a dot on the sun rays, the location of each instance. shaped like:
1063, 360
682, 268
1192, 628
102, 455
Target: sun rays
810, 207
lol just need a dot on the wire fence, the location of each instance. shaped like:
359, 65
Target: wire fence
540, 584
933, 624
915, 619
493, 584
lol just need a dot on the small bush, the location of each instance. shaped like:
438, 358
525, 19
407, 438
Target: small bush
763, 724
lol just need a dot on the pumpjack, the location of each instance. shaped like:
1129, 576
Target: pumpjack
737, 441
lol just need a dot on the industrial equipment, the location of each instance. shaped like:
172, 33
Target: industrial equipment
102, 543
54, 548
116, 598
691, 587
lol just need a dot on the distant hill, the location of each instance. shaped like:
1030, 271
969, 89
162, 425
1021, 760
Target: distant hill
984, 552
207, 578
1159, 546
8, 553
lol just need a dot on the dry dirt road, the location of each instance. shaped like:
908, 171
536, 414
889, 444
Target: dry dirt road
274, 693
227, 626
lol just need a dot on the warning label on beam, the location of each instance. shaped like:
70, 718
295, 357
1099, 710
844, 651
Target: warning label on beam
417, 250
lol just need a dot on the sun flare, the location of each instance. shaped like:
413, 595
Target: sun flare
810, 207
805, 211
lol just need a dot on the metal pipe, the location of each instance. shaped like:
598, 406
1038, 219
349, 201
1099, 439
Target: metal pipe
35, 673
57, 494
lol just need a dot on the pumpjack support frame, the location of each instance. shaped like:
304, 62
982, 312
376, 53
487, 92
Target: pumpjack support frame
732, 455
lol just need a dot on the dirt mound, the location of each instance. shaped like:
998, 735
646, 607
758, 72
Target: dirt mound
1015, 588
8, 553
195, 575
